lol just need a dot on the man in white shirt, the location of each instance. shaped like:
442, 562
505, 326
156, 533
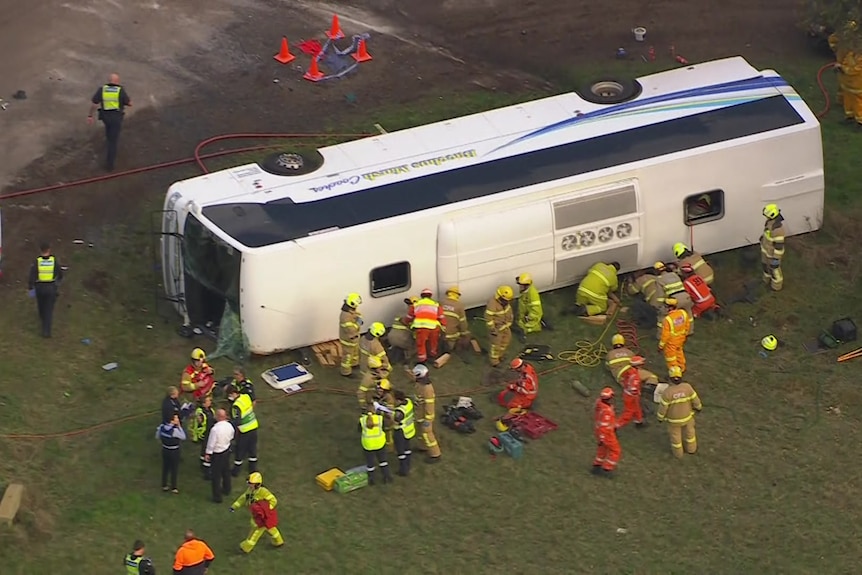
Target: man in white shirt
218, 454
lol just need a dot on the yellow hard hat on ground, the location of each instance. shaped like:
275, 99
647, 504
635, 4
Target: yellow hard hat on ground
505, 292
198, 353
374, 362
524, 280
769, 343
501, 426
255, 478
618, 339
679, 248
377, 329
675, 371
771, 211
384, 385
353, 300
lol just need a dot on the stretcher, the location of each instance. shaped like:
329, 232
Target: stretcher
287, 378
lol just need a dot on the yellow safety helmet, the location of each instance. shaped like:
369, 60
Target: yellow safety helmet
679, 248
353, 300
674, 372
377, 329
769, 343
670, 301
505, 292
771, 211
454, 290
501, 426
524, 280
255, 478
658, 266
384, 385
618, 339
374, 362
198, 353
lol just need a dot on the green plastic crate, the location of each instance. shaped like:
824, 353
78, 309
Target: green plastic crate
512, 446
351, 481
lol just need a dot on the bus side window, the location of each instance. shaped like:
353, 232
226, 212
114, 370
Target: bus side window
704, 207
390, 279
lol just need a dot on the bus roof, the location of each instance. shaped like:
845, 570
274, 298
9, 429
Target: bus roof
496, 151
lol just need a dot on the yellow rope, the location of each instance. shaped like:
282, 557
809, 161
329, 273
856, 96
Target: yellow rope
589, 353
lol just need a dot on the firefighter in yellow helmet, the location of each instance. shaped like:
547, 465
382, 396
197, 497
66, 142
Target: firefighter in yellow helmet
772, 247
498, 320
678, 403
670, 285
402, 342
457, 330
426, 405
368, 385
686, 256
621, 359
674, 331
530, 314
349, 324
849, 65
599, 285
261, 503
370, 345
198, 376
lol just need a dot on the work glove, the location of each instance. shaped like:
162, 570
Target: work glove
775, 263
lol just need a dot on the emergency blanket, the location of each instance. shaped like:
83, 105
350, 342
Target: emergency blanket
334, 62
263, 515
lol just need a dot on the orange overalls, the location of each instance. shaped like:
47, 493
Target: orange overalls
632, 410
426, 318
674, 330
701, 295
521, 394
608, 452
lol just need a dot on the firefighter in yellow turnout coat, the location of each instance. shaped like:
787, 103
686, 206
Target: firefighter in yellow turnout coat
498, 320
426, 404
349, 324
679, 401
772, 247
255, 493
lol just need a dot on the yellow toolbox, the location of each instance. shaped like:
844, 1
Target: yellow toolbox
327, 479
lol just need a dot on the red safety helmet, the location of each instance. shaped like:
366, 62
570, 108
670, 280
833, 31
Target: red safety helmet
516, 363
607, 393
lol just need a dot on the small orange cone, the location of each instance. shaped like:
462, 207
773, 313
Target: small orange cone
314, 74
361, 54
284, 56
335, 30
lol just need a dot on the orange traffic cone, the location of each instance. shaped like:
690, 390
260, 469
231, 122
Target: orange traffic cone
335, 30
361, 54
314, 74
284, 56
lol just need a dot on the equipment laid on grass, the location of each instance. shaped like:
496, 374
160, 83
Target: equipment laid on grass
328, 353
537, 353
460, 415
10, 503
512, 447
288, 378
495, 446
353, 479
842, 331
580, 388
531, 424
597, 190
284, 56
327, 479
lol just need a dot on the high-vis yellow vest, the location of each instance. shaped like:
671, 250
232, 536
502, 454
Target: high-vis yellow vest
247, 419
373, 438
407, 424
133, 564
45, 267
110, 98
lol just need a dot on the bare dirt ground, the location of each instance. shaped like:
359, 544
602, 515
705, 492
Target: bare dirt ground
196, 70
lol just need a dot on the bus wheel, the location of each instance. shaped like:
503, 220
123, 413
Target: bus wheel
610, 91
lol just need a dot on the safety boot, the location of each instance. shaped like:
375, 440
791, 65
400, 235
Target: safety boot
275, 537
370, 477
641, 424
387, 476
596, 470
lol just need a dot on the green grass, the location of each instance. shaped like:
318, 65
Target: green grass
773, 489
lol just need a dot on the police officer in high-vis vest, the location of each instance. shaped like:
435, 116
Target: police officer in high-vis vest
199, 430
110, 100
45, 277
136, 563
374, 446
245, 422
405, 430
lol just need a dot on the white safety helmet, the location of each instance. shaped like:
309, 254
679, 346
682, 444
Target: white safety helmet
420, 371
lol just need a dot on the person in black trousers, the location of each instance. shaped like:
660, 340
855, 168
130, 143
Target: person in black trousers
170, 433
111, 100
219, 456
45, 278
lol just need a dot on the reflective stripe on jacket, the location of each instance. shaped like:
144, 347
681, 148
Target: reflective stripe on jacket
678, 404
698, 290
675, 326
772, 240
670, 283
246, 416
605, 420
599, 281
373, 438
45, 269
